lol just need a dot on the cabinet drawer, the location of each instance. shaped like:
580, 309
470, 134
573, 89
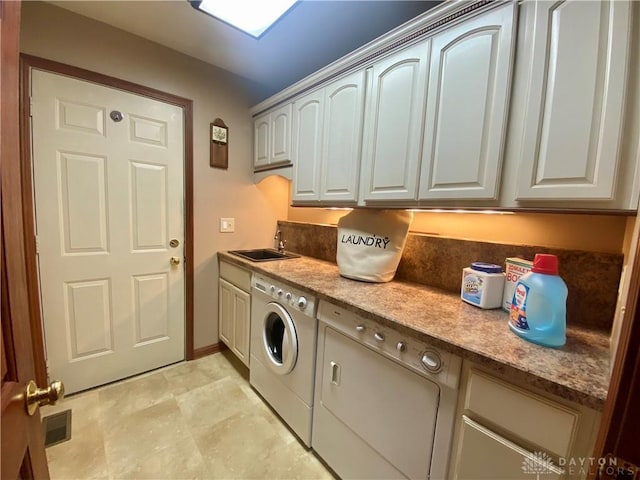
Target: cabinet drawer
482, 454
239, 277
535, 419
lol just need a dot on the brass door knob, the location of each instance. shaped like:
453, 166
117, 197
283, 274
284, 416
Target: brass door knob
175, 261
39, 397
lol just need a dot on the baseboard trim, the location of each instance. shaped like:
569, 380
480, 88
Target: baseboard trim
208, 350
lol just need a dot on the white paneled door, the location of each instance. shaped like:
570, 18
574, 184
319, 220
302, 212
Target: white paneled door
109, 197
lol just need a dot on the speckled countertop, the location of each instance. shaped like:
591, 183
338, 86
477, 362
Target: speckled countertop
579, 371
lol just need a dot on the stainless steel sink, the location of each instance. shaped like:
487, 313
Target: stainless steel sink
263, 254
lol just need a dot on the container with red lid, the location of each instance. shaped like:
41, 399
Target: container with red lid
539, 304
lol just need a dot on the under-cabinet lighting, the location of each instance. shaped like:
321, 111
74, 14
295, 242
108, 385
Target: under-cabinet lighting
443, 210
250, 16
440, 210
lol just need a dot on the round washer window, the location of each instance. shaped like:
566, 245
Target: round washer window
279, 339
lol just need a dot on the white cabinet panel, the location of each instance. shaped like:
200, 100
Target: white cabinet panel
483, 454
547, 423
272, 138
467, 101
327, 139
242, 317
281, 135
234, 317
307, 119
577, 64
261, 139
225, 311
393, 136
343, 117
508, 431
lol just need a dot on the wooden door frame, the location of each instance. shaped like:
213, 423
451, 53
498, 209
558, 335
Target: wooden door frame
23, 454
620, 425
29, 62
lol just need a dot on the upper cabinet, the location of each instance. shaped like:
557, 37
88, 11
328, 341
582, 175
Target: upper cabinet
467, 101
460, 108
272, 138
576, 69
308, 115
326, 141
393, 125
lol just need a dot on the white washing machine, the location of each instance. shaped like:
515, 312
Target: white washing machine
283, 351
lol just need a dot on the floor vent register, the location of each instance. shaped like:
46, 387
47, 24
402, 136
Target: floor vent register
57, 428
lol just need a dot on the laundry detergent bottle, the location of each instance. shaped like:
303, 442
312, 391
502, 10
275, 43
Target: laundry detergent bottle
539, 305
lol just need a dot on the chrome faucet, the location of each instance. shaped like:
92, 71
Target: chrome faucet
281, 242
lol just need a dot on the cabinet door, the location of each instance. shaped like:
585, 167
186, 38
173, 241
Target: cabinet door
281, 135
578, 65
225, 313
343, 118
393, 123
483, 454
261, 141
307, 146
241, 320
467, 100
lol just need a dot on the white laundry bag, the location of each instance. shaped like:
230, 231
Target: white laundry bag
370, 243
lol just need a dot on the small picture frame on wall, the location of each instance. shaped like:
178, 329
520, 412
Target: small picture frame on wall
219, 144
218, 134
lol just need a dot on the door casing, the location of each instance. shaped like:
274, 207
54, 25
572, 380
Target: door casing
27, 64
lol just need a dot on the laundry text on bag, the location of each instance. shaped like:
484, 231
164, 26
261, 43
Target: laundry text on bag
372, 241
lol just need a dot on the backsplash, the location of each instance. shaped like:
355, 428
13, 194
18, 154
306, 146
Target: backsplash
592, 278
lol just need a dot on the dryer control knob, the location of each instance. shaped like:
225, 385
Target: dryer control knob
431, 361
280, 292
287, 295
401, 347
378, 336
272, 288
302, 303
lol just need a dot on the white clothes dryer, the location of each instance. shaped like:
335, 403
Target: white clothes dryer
283, 351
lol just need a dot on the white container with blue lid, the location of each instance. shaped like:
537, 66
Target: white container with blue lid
482, 285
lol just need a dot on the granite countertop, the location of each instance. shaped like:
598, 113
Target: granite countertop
579, 371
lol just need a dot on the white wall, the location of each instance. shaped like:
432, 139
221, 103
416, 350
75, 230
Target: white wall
57, 34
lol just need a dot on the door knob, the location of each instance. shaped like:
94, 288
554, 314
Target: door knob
39, 397
175, 261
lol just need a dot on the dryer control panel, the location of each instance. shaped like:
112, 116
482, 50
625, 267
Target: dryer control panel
284, 294
417, 355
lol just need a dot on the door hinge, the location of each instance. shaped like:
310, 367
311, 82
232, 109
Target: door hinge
37, 246
30, 106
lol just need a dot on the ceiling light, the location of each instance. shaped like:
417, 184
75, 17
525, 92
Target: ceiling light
250, 16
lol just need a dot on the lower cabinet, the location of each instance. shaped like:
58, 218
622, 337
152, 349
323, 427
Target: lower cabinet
234, 310
483, 454
504, 431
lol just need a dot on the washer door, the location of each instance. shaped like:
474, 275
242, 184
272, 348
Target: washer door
279, 339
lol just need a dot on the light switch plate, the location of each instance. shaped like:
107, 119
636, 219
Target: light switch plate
227, 225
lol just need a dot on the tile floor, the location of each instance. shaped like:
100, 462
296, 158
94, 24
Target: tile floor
199, 419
